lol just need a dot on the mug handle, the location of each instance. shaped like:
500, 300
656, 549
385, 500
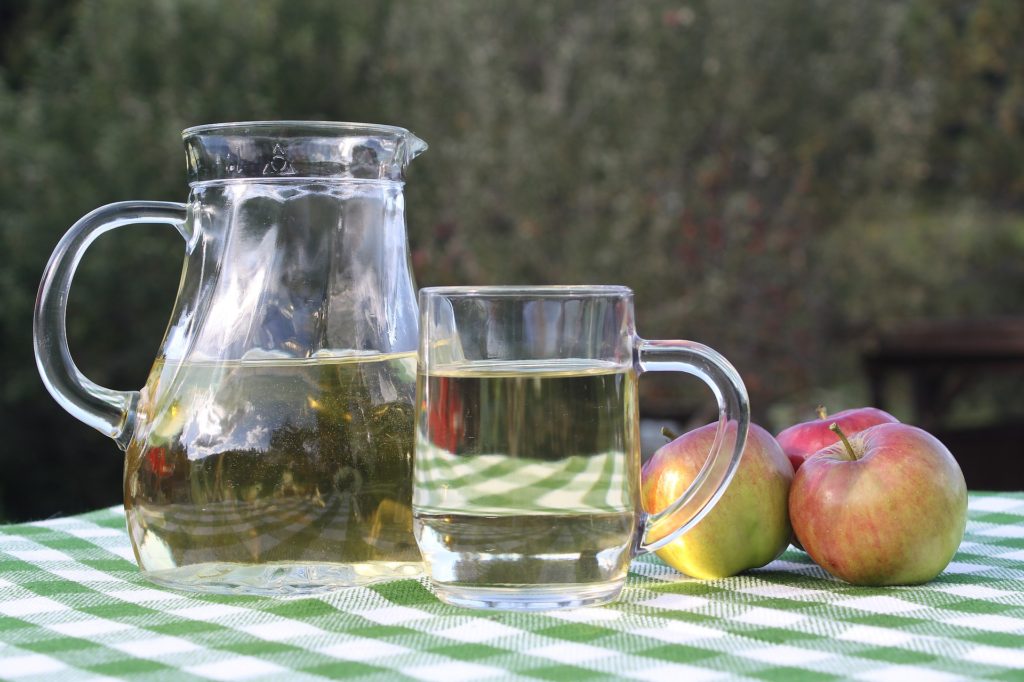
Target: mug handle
733, 419
110, 412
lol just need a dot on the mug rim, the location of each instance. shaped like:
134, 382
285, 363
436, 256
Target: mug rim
529, 291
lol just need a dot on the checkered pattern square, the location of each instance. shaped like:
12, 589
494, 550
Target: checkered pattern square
499, 484
73, 606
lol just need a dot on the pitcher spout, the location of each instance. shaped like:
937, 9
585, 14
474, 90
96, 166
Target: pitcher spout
414, 146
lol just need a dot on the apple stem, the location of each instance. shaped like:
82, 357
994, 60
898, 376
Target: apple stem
822, 412
668, 433
834, 428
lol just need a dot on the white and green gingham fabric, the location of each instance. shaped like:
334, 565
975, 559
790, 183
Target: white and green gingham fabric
499, 484
74, 607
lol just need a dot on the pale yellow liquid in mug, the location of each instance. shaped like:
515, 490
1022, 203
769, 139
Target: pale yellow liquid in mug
527, 475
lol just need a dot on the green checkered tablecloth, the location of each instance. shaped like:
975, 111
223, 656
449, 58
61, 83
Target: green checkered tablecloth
73, 606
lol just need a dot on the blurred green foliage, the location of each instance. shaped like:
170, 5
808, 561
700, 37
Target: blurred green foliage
780, 180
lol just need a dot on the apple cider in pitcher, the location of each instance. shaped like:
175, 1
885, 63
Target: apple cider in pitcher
246, 473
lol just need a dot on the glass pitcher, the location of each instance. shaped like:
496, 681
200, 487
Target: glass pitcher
270, 450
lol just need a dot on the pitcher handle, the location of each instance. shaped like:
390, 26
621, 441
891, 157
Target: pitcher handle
110, 412
733, 419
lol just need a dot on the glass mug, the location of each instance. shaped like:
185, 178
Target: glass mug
526, 473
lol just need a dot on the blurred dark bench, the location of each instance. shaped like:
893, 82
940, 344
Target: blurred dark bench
942, 358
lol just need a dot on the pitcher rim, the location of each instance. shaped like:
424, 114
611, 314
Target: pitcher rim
313, 125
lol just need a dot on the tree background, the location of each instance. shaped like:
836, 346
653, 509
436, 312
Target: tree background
783, 181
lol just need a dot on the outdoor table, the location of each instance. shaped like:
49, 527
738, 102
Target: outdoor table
74, 606
942, 358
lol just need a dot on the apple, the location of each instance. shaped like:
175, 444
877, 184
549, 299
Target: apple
803, 440
884, 506
747, 528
